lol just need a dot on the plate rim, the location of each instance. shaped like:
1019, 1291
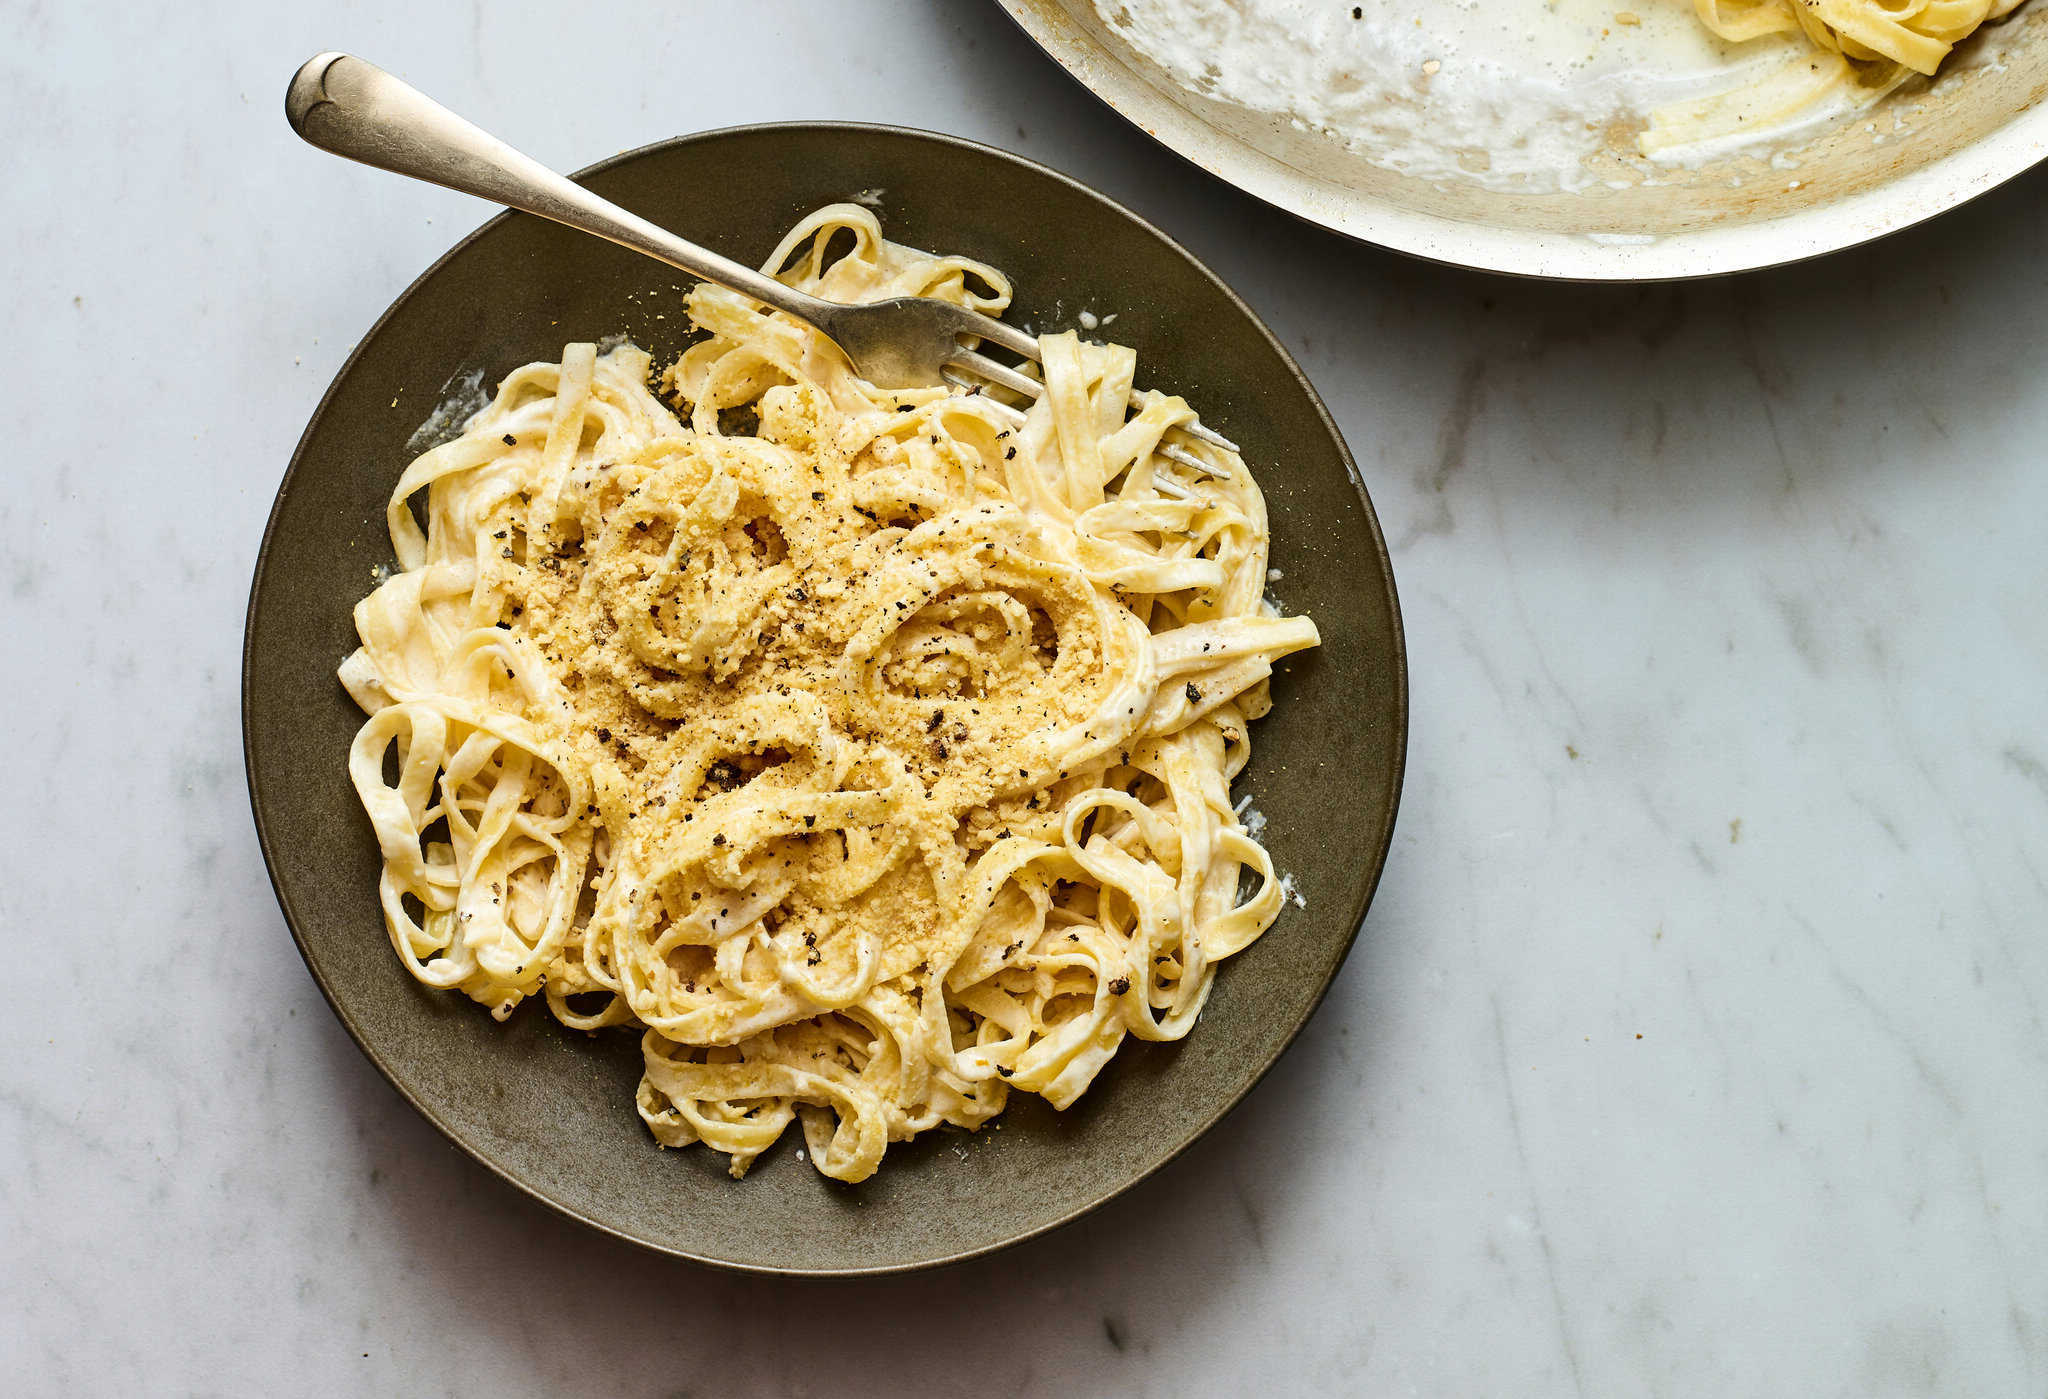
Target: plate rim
1858, 218
265, 837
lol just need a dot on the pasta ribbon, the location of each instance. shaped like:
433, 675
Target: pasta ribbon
1910, 34
1862, 48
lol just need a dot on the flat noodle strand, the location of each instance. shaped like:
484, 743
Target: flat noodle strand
1860, 49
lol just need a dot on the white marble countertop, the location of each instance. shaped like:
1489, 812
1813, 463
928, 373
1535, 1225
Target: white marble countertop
1694, 1045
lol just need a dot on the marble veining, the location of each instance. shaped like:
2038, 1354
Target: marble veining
1694, 1045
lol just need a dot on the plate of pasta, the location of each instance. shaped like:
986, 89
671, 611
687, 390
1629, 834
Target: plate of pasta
1582, 139
802, 826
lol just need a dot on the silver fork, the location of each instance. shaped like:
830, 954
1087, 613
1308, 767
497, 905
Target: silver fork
352, 108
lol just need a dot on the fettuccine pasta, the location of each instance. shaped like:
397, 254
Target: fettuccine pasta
869, 752
1907, 34
1860, 50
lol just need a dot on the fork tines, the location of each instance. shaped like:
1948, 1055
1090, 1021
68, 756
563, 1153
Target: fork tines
1165, 449
1025, 386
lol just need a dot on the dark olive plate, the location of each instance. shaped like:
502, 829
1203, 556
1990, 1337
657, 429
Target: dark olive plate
552, 1111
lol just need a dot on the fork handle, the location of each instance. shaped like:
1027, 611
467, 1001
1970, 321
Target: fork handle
352, 108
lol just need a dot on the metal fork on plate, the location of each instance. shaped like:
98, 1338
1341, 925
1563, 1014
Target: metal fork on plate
352, 108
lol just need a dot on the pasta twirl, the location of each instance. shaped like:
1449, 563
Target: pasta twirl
870, 752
